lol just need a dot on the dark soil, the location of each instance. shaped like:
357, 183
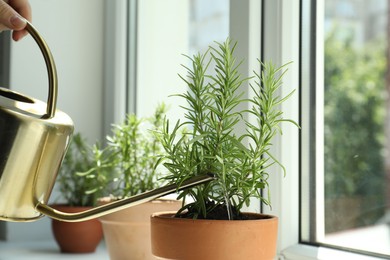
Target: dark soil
216, 212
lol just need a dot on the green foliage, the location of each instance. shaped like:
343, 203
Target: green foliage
354, 118
206, 141
128, 164
72, 186
354, 114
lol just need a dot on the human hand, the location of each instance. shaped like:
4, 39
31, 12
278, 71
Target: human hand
13, 15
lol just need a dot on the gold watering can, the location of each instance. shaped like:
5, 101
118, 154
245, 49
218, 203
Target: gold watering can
34, 137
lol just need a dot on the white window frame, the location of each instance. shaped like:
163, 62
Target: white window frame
284, 46
115, 65
281, 45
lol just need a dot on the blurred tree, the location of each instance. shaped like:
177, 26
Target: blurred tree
355, 99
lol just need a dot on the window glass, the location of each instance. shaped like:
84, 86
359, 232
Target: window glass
167, 30
356, 125
209, 21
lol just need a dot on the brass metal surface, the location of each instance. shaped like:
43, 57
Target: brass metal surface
51, 70
33, 139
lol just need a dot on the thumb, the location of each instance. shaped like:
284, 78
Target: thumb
9, 18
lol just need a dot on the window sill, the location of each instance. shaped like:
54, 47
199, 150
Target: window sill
45, 250
307, 252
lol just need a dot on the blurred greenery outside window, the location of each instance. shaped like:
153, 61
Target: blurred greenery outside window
357, 125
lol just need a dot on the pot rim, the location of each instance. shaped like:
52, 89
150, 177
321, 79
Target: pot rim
168, 216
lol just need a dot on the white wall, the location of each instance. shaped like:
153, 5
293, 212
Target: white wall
74, 32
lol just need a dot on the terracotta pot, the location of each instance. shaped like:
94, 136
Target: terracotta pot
76, 237
178, 238
127, 232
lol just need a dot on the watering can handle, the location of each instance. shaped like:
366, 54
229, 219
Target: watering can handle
51, 70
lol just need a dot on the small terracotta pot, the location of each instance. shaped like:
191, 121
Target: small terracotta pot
76, 237
178, 238
127, 232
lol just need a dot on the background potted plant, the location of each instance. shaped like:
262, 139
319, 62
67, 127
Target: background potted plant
129, 165
81, 237
212, 225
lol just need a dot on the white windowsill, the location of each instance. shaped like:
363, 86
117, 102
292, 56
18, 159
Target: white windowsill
49, 250
45, 250
307, 252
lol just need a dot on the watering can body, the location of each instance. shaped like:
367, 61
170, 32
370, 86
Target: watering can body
31, 150
34, 137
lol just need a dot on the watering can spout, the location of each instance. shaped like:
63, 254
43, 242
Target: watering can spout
123, 203
34, 137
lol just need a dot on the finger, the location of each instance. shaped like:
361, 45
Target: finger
9, 18
23, 7
17, 35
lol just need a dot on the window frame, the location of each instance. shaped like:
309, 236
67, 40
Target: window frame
279, 41
311, 112
116, 59
281, 45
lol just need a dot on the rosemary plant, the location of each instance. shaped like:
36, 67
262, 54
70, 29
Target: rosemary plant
73, 187
207, 141
128, 164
